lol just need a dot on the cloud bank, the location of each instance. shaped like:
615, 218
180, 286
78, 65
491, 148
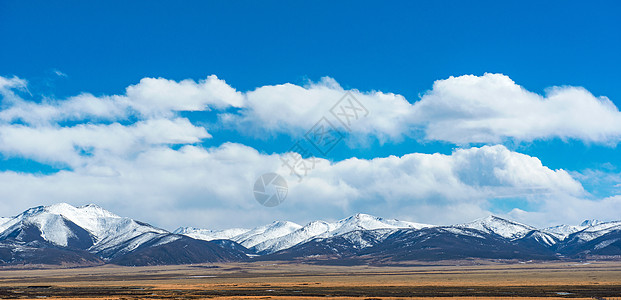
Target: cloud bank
209, 184
136, 155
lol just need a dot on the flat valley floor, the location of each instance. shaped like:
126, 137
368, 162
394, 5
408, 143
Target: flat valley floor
281, 280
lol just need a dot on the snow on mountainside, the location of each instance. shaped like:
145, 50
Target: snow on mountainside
512, 230
53, 226
61, 223
209, 235
269, 239
368, 222
586, 231
92, 234
591, 222
595, 231
542, 237
124, 235
4, 220
562, 231
261, 234
301, 235
495, 225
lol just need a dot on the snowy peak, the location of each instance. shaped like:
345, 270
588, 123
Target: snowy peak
261, 234
282, 235
91, 217
591, 222
587, 230
62, 224
92, 234
209, 235
298, 236
369, 222
499, 226
46, 223
361, 222
562, 231
595, 231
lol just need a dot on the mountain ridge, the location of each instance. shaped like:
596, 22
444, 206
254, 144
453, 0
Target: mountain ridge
89, 234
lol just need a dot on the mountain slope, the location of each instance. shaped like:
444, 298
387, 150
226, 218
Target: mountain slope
346, 245
176, 250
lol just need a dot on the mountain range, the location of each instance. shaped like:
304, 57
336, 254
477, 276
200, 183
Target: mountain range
62, 234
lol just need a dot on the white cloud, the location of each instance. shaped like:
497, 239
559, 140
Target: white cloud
150, 98
293, 109
161, 96
118, 151
59, 73
78, 108
107, 127
160, 184
492, 108
77, 145
563, 209
8, 85
461, 110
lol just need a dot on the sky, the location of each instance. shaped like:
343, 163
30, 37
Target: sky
436, 112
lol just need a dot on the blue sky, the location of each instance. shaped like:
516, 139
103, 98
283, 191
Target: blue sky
62, 50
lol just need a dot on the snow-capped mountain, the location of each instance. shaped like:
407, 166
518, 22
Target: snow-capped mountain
599, 239
321, 229
594, 231
261, 234
512, 231
309, 231
562, 231
282, 235
368, 222
88, 235
209, 235
502, 227
89, 229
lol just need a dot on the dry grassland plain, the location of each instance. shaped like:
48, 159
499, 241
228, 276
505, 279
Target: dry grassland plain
285, 280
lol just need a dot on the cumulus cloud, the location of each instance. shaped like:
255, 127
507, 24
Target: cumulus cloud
293, 109
110, 126
462, 110
150, 98
161, 184
492, 108
157, 96
78, 108
77, 145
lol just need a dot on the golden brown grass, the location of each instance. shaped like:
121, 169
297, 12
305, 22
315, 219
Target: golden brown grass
280, 280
